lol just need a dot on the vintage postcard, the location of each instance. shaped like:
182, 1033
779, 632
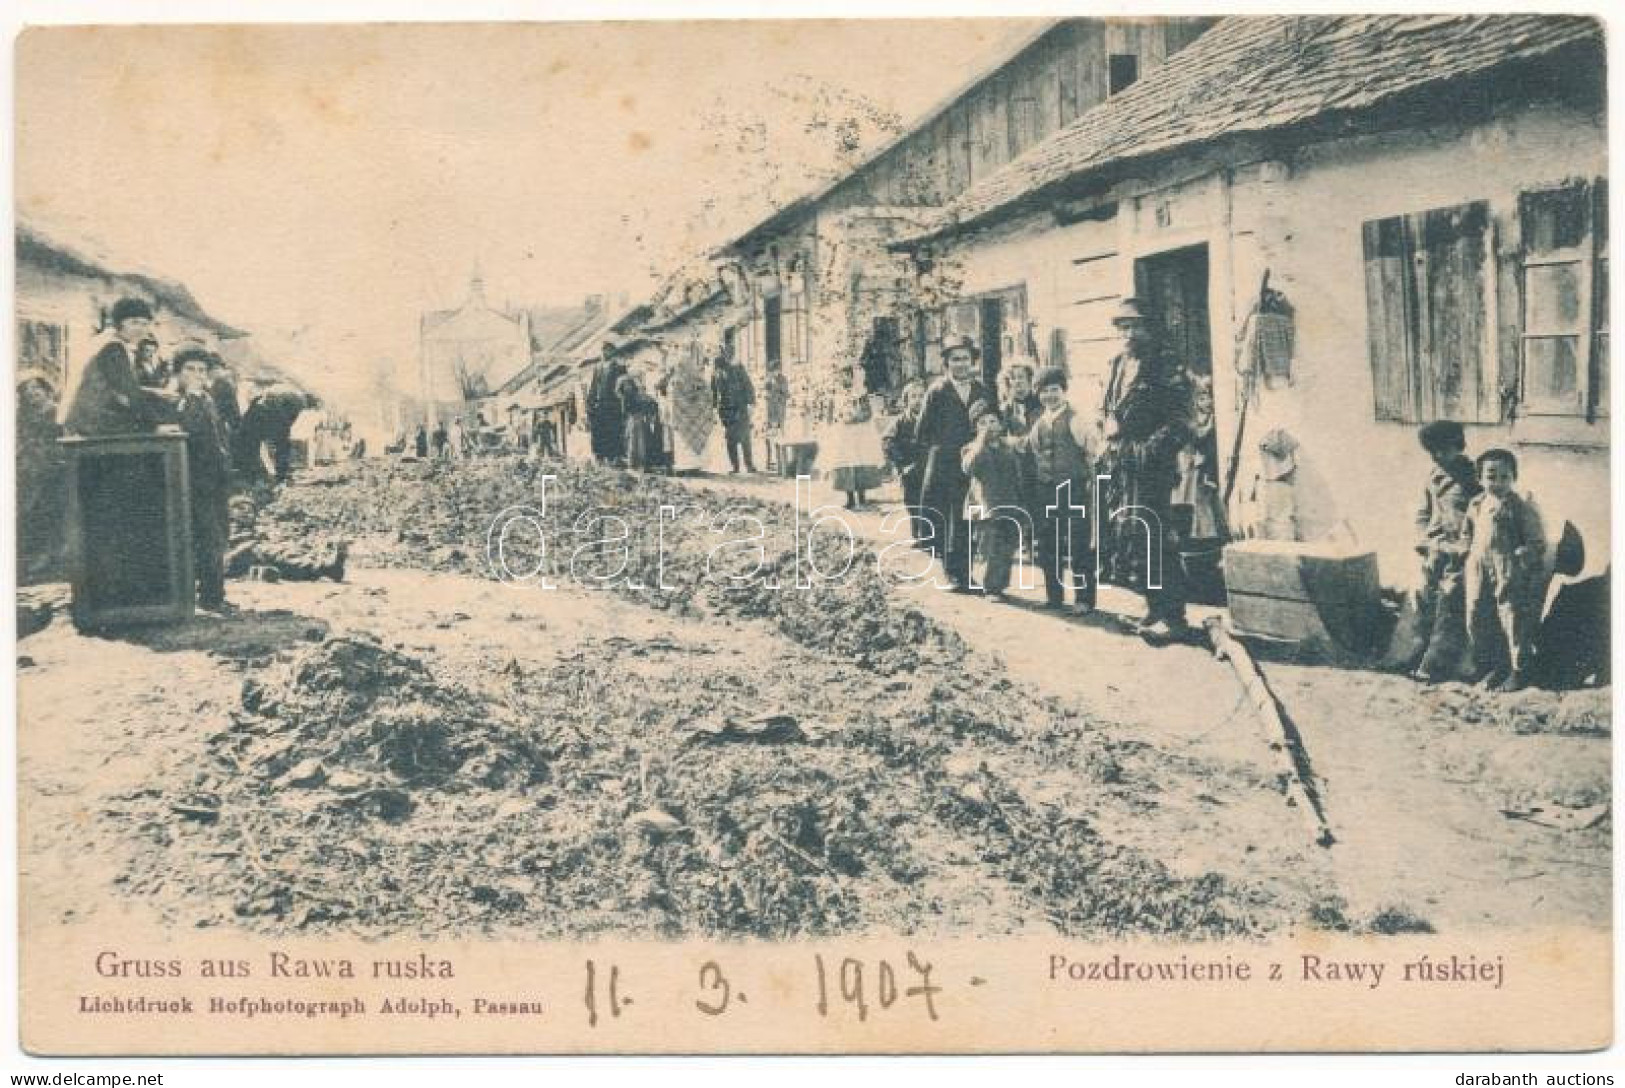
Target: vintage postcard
967, 535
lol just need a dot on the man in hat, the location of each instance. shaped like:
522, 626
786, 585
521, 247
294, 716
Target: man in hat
941, 434
732, 394
1144, 415
208, 469
223, 388
604, 415
109, 399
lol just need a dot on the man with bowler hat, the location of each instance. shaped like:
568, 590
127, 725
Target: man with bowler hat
109, 399
943, 430
1143, 417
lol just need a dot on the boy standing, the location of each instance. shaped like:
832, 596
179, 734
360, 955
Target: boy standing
1505, 544
207, 470
1440, 523
996, 503
1063, 449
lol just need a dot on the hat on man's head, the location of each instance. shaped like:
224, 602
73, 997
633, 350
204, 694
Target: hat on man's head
192, 353
1127, 310
952, 343
126, 308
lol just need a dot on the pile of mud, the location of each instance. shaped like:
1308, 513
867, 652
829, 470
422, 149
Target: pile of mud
439, 516
355, 790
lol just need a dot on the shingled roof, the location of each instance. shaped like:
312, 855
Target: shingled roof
1251, 75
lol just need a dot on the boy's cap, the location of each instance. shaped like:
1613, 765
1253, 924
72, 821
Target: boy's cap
1505, 457
1050, 375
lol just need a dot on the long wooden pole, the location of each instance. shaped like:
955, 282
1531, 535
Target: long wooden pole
1303, 791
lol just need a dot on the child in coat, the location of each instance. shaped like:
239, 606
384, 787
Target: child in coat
1505, 545
1064, 449
1440, 521
207, 466
996, 506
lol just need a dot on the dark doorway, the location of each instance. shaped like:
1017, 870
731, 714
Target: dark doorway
1172, 288
882, 364
991, 326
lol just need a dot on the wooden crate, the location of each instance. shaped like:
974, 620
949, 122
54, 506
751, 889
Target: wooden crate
129, 529
1316, 595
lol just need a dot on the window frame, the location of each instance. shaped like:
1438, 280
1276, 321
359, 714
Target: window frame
1589, 332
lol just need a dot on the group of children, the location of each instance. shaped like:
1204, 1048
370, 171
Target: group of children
1481, 541
1483, 565
1029, 468
1030, 479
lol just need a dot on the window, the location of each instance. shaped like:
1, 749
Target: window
795, 327
928, 343
1564, 326
1431, 325
1123, 69
773, 331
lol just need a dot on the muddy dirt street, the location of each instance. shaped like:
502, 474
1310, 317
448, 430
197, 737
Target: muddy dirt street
423, 748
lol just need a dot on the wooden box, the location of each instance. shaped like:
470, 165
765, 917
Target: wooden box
129, 529
1314, 594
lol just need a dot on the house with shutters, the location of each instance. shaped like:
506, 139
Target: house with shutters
1423, 198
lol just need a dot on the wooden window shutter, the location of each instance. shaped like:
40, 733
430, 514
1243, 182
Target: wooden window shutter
1458, 379
1431, 309
1390, 317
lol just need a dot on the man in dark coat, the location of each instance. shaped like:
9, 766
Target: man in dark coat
109, 399
1144, 417
223, 389
604, 416
941, 434
732, 394
207, 475
269, 420
420, 443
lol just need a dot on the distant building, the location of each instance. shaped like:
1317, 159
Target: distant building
466, 353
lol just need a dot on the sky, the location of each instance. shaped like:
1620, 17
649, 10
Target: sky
322, 186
